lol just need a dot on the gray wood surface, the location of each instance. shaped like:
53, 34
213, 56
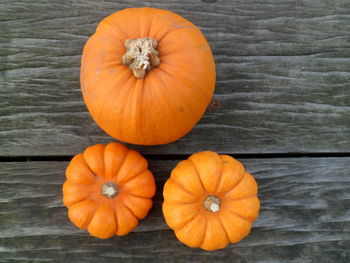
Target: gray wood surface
283, 72
304, 217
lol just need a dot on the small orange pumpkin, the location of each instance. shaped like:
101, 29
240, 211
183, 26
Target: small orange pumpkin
108, 189
147, 75
210, 201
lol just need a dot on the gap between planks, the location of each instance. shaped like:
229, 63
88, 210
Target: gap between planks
64, 158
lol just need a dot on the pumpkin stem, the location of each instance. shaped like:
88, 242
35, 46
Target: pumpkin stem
212, 203
141, 55
109, 190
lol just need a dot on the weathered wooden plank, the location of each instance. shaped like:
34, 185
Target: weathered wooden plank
283, 72
304, 217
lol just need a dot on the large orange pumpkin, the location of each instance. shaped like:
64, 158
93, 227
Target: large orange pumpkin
108, 189
210, 201
147, 75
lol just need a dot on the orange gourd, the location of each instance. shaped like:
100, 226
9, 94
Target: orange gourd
210, 201
147, 75
108, 189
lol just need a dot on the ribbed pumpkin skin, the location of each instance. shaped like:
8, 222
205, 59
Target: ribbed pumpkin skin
86, 174
209, 174
170, 100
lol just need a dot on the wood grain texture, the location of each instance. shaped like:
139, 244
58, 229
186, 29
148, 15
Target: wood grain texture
283, 75
304, 217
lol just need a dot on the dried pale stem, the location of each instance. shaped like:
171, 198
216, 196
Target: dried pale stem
212, 203
109, 190
141, 55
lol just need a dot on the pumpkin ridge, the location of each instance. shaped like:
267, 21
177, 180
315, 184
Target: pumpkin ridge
189, 82
231, 188
183, 189
218, 183
88, 167
220, 177
104, 105
121, 163
150, 26
241, 198
77, 202
128, 193
90, 183
126, 206
179, 51
130, 93
178, 81
149, 13
249, 222
187, 221
78, 185
181, 186
173, 28
143, 100
197, 173
177, 203
126, 99
131, 178
89, 220
184, 82
115, 216
80, 159
105, 23
169, 29
242, 217
205, 231
114, 92
121, 203
253, 216
223, 227
109, 65
140, 105
99, 204
140, 90
164, 97
95, 149
131, 212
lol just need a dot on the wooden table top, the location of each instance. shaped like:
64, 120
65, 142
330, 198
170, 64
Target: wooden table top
283, 109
